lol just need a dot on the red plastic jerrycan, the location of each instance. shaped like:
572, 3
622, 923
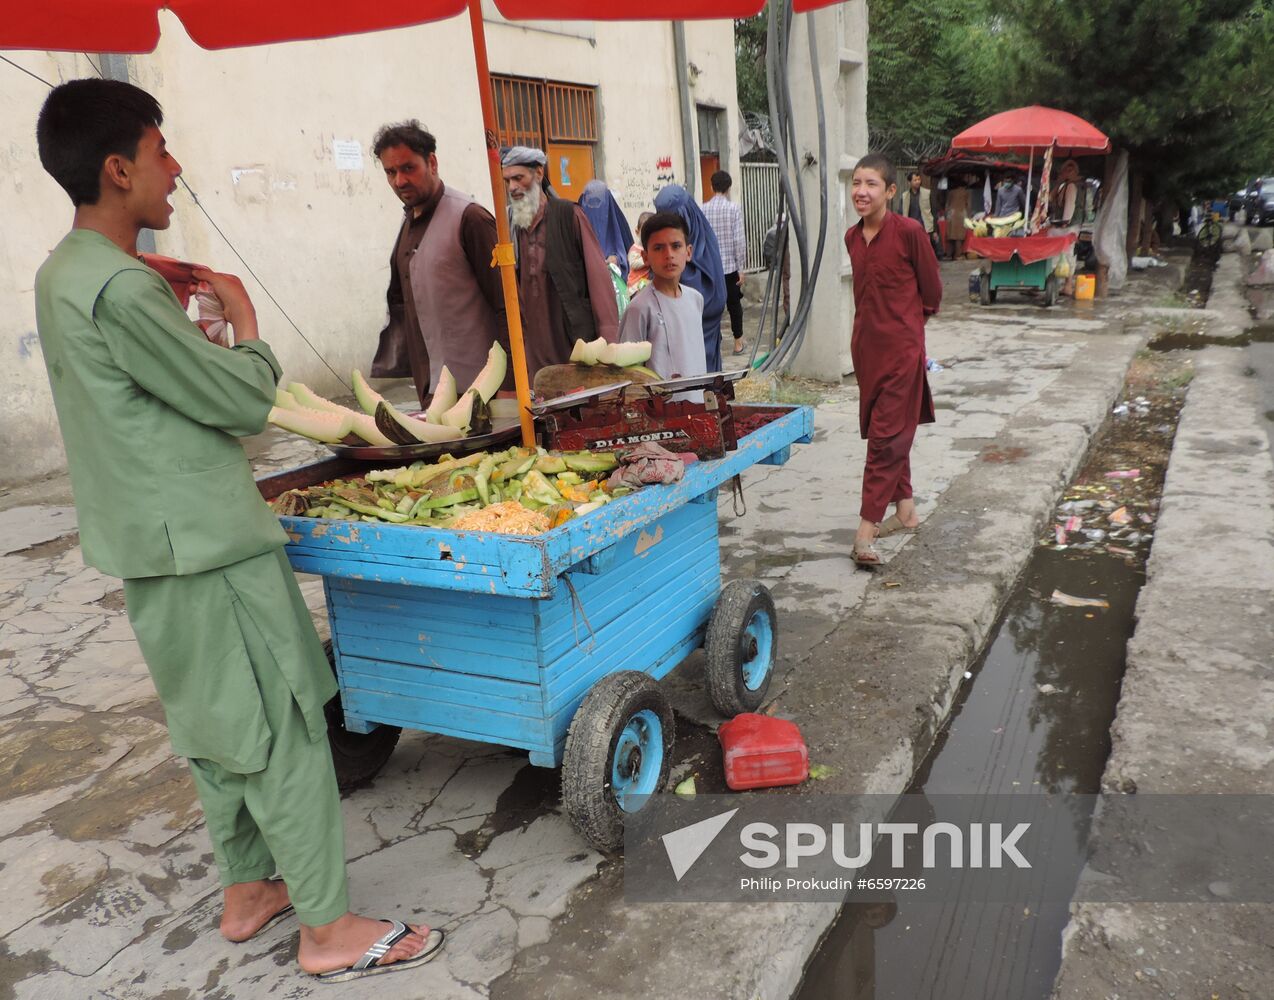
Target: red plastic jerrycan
762, 752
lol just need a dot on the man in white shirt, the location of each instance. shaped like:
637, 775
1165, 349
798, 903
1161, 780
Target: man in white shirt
726, 220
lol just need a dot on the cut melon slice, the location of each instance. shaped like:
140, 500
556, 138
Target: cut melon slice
445, 396
398, 426
505, 409
627, 355
285, 400
306, 396
461, 415
330, 428
365, 427
592, 351
367, 396
579, 353
489, 380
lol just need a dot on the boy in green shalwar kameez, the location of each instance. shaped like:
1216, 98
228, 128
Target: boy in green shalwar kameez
150, 413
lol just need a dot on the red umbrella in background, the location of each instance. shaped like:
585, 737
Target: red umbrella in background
133, 26
1024, 130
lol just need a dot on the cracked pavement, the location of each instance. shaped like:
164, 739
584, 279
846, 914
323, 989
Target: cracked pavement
107, 874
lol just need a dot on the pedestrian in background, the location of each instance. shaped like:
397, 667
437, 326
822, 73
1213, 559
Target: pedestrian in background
957, 213
897, 286
608, 222
703, 272
726, 220
915, 205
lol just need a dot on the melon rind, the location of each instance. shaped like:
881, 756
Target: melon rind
423, 431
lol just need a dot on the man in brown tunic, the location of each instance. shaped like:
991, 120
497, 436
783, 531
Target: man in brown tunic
564, 284
446, 306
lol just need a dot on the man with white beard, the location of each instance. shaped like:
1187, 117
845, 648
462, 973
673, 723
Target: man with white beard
564, 285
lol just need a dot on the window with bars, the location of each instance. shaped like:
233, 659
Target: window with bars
537, 112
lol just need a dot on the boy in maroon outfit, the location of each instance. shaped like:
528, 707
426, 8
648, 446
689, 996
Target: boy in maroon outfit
897, 285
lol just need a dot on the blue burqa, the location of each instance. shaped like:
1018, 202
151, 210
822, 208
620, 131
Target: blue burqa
608, 222
704, 273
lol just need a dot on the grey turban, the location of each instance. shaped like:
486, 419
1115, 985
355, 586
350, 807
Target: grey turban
523, 156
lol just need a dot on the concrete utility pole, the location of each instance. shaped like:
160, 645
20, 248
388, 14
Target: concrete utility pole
842, 57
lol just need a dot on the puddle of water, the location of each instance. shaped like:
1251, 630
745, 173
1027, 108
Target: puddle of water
533, 792
1035, 719
1190, 341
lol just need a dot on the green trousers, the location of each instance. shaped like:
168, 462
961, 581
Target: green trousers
280, 813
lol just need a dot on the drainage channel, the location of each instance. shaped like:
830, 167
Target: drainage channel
1034, 719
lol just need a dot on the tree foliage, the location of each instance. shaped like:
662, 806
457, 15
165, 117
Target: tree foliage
749, 64
928, 68
1184, 85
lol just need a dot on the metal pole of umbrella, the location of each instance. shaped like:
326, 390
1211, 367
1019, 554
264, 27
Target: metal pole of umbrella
502, 256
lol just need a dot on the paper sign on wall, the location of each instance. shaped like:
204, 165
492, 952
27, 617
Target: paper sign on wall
348, 154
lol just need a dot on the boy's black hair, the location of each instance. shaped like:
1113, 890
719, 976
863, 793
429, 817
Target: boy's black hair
83, 122
663, 220
409, 133
721, 182
880, 163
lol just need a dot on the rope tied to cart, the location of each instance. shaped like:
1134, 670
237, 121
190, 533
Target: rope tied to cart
577, 604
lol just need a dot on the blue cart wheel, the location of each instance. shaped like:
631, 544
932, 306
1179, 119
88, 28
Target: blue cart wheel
618, 751
742, 648
357, 757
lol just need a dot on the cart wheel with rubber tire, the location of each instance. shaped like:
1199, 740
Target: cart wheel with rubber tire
618, 751
985, 295
358, 757
742, 647
1051, 286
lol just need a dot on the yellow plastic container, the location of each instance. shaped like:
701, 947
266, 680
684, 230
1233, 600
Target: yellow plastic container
1085, 286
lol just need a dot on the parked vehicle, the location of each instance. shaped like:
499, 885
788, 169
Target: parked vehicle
1239, 197
1259, 203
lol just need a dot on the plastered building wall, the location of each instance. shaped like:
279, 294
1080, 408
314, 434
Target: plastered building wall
275, 143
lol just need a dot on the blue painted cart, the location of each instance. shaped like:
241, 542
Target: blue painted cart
550, 643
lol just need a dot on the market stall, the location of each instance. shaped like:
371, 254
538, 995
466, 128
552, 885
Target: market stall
1034, 260
524, 640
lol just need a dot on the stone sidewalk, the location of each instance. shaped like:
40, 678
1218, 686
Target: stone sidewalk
105, 868
1195, 711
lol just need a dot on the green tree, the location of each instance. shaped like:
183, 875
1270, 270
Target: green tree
1184, 85
927, 69
749, 64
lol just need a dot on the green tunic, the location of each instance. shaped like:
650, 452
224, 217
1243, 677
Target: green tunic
151, 413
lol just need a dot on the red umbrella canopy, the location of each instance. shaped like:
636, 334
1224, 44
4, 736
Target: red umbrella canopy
133, 25
1036, 127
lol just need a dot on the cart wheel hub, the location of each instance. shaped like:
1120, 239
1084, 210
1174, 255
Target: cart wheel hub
637, 761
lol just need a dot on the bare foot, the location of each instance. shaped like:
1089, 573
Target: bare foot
341, 943
865, 535
249, 907
906, 511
